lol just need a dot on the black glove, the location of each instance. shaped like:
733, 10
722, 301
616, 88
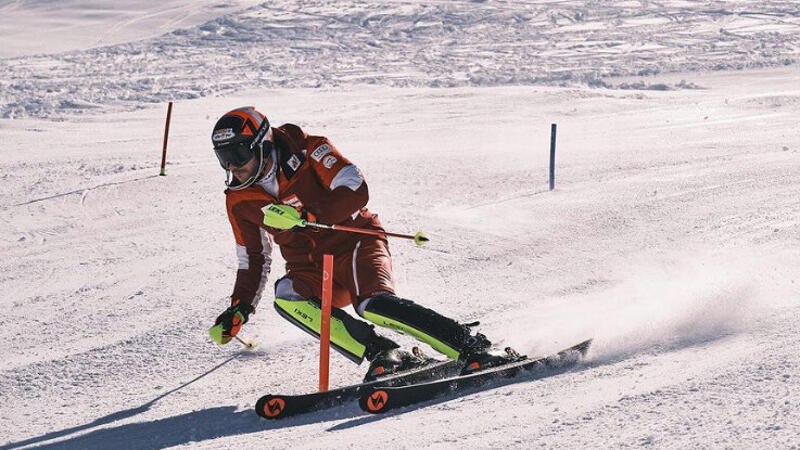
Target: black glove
230, 322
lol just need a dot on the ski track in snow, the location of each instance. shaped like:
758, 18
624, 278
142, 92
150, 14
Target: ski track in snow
672, 237
454, 43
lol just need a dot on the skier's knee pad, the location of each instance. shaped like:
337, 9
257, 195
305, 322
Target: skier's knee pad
445, 335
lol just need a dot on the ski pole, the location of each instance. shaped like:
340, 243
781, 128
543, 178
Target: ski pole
285, 217
419, 238
249, 344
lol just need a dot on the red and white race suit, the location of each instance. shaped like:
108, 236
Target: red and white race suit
310, 174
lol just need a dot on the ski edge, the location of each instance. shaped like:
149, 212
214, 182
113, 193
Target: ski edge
277, 406
376, 399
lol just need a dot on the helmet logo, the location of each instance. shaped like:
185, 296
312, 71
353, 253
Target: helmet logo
223, 134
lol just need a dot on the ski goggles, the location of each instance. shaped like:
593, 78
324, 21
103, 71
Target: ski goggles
235, 154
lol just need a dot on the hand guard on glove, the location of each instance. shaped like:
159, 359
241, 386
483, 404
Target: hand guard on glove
230, 322
286, 217
282, 217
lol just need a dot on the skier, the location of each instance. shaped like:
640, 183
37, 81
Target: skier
286, 166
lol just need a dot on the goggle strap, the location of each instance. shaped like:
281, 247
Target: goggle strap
260, 134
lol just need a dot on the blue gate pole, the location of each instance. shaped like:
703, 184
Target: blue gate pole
552, 156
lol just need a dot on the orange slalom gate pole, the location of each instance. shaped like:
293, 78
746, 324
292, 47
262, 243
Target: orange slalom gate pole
325, 326
166, 135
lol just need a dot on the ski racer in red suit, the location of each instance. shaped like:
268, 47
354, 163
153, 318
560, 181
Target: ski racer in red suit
286, 166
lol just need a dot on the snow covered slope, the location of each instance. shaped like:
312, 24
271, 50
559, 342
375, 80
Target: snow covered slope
672, 238
54, 26
324, 43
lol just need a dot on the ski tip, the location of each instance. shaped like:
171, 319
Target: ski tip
270, 407
583, 347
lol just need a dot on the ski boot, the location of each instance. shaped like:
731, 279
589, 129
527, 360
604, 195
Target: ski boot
394, 360
477, 355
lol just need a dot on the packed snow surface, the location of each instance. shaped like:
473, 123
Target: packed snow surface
671, 238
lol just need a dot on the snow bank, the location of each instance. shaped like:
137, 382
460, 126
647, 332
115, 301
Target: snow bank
56, 26
320, 43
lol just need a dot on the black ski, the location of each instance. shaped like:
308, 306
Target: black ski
379, 399
281, 406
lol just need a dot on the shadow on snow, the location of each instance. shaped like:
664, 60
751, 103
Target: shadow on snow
195, 426
217, 422
110, 433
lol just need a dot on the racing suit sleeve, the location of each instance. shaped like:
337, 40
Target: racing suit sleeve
342, 178
253, 248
